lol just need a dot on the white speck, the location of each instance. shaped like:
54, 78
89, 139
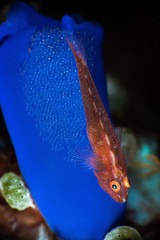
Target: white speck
101, 124
100, 113
95, 108
113, 157
89, 90
107, 139
84, 63
99, 142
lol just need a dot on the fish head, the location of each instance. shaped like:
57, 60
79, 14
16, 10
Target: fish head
117, 186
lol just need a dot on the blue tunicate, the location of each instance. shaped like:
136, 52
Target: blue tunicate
41, 102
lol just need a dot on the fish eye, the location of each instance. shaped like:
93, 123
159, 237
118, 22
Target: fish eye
115, 185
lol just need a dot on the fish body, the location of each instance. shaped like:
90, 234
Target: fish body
108, 162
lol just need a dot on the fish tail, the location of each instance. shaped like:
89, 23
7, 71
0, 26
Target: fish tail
77, 47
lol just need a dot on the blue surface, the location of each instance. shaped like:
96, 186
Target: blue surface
42, 106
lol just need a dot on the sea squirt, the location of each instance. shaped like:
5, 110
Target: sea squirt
14, 191
42, 105
123, 233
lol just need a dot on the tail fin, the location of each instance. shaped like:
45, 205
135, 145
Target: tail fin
76, 46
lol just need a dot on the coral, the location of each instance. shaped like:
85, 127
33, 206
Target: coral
141, 149
153, 166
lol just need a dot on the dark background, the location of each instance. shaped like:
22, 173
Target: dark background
131, 51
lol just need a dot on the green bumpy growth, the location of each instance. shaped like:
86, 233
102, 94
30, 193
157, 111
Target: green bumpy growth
123, 233
14, 191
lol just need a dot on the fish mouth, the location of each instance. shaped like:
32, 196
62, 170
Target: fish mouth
123, 198
120, 199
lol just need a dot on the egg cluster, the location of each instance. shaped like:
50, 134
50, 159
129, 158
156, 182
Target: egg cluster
51, 85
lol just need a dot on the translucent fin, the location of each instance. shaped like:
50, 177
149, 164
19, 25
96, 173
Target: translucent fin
76, 46
82, 157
